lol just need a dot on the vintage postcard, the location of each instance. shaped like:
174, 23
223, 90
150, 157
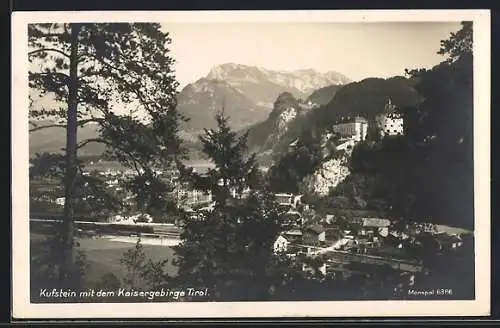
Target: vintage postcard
251, 164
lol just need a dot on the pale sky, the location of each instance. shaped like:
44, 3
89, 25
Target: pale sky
357, 50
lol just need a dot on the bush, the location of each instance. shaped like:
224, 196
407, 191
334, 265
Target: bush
109, 281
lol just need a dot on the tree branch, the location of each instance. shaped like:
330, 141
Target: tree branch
146, 103
90, 120
97, 140
34, 52
65, 77
47, 126
110, 66
80, 123
103, 141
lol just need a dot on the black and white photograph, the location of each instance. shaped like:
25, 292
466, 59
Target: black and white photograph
228, 164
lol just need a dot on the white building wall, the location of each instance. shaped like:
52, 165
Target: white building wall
390, 126
280, 245
356, 130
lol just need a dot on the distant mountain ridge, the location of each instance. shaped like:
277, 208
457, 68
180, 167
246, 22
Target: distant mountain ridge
201, 100
276, 127
247, 93
264, 85
53, 139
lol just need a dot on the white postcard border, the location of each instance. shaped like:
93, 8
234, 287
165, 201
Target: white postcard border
22, 308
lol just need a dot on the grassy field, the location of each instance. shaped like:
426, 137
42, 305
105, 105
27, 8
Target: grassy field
104, 255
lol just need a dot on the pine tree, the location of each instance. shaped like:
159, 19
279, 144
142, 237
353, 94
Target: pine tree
93, 72
230, 251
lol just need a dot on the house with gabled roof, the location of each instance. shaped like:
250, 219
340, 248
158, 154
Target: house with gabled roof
375, 226
293, 145
446, 241
280, 244
314, 234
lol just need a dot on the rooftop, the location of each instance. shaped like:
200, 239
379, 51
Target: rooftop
350, 119
376, 222
446, 238
315, 228
293, 233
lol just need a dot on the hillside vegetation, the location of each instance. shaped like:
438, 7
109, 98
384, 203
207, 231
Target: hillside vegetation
323, 96
366, 98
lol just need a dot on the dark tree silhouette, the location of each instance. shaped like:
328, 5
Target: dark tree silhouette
230, 251
94, 71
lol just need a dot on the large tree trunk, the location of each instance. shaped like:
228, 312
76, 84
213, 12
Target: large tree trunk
71, 152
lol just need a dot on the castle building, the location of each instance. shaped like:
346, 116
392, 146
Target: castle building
390, 122
355, 128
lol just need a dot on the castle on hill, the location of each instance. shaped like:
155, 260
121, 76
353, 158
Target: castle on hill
355, 129
388, 123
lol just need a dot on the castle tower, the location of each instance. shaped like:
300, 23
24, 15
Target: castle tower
389, 107
390, 122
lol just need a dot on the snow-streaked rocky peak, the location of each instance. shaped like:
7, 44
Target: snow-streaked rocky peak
304, 80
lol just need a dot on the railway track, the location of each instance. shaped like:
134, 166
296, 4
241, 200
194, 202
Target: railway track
157, 230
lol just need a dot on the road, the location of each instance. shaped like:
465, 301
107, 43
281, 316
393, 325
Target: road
364, 258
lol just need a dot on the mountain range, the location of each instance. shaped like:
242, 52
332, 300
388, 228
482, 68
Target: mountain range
274, 107
246, 93
53, 140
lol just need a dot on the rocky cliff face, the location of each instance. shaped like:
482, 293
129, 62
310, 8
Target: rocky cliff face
266, 134
286, 109
328, 175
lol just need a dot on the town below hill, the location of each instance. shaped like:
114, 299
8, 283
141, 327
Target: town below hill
326, 243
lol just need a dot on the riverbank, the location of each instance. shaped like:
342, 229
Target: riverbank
159, 241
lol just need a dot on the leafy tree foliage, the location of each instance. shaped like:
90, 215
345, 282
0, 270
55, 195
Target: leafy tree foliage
459, 44
428, 172
140, 270
324, 95
230, 251
93, 196
287, 173
443, 134
97, 71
